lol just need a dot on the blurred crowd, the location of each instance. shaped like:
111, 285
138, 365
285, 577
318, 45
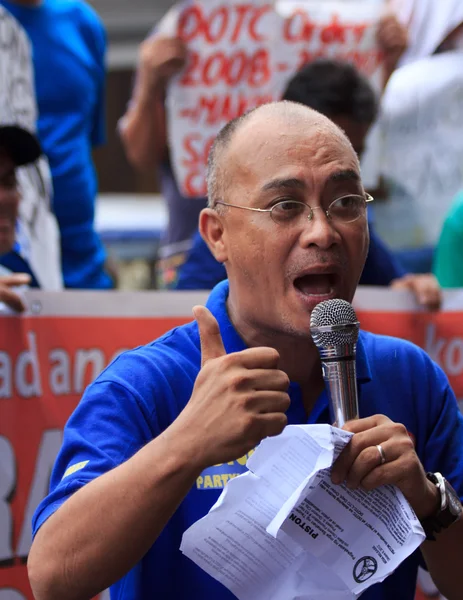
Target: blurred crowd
52, 115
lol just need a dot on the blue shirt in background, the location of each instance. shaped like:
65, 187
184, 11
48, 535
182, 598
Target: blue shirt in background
177, 240
69, 43
141, 393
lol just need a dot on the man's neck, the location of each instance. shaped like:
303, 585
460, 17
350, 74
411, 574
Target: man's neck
299, 357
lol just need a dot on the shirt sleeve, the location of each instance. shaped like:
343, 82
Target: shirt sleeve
98, 132
444, 443
109, 426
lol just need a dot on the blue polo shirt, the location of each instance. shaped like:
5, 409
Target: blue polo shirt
145, 389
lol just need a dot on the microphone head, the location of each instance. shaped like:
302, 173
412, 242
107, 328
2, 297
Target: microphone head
334, 323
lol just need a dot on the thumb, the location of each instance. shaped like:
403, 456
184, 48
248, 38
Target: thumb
209, 334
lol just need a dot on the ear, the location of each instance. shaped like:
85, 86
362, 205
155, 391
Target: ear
213, 233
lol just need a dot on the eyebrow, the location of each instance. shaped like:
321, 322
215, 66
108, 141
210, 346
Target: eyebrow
278, 184
293, 182
345, 175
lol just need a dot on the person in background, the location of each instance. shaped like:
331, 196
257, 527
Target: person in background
420, 95
69, 42
433, 26
287, 215
143, 133
340, 92
448, 266
36, 246
18, 147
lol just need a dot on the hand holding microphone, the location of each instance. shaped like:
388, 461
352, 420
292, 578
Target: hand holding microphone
381, 452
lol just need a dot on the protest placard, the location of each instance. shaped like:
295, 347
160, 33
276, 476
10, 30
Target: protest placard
241, 55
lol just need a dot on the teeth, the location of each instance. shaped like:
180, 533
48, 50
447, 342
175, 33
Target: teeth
315, 285
313, 293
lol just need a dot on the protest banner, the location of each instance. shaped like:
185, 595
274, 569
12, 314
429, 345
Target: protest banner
50, 354
242, 54
344, 30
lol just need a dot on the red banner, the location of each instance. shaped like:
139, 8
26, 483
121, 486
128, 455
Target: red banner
49, 355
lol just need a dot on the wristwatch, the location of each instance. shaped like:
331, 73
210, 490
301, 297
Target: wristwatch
449, 510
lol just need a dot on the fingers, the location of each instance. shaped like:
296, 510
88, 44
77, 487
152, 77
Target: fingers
8, 296
391, 33
266, 402
209, 334
175, 47
257, 358
400, 284
424, 287
161, 51
391, 473
15, 279
11, 299
427, 291
361, 456
269, 379
242, 378
360, 473
272, 424
359, 425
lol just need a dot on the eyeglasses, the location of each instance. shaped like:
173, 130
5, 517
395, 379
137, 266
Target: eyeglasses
345, 209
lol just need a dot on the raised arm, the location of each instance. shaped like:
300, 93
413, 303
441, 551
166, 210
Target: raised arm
104, 528
143, 127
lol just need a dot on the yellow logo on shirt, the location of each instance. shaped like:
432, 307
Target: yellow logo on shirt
216, 477
74, 468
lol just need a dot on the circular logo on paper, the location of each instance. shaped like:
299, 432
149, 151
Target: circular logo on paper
365, 568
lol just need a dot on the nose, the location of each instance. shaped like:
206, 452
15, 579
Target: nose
319, 231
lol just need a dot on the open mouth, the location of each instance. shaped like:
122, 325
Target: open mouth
316, 284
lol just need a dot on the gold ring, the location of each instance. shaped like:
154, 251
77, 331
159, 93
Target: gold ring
381, 454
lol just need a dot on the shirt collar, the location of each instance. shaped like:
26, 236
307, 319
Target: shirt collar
217, 304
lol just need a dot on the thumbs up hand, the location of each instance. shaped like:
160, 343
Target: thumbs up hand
238, 399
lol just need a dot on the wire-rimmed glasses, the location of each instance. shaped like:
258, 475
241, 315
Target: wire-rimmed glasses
345, 209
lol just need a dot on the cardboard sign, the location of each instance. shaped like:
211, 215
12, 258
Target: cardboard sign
241, 55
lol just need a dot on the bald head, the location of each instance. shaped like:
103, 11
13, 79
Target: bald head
257, 127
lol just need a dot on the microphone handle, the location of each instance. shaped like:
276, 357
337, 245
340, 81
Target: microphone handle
341, 385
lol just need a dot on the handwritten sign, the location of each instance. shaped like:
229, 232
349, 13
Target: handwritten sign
232, 50
344, 30
241, 55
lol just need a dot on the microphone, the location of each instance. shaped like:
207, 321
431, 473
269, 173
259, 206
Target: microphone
335, 329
